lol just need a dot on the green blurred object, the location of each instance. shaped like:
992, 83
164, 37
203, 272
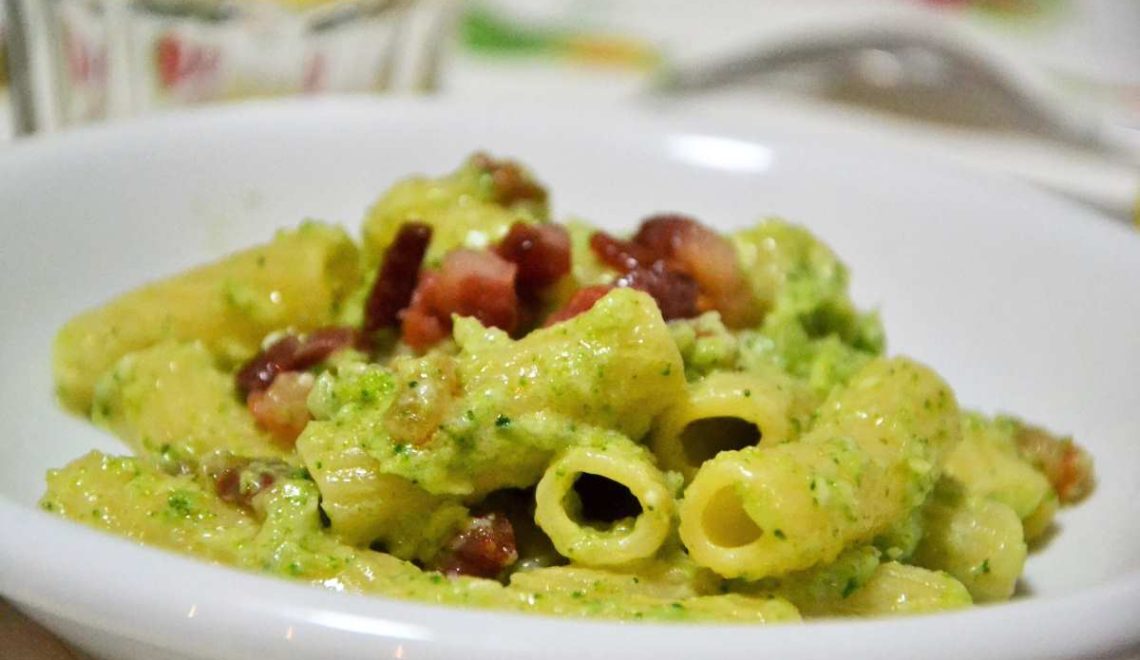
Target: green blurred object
481, 29
486, 31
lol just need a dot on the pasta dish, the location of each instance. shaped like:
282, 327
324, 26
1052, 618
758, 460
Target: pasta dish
475, 405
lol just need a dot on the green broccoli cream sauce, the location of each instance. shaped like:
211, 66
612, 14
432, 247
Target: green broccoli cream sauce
446, 429
405, 457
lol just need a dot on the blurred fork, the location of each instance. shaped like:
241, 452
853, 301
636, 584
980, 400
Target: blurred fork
912, 64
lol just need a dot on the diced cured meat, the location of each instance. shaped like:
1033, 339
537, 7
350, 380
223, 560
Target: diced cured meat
541, 252
619, 254
422, 326
239, 480
396, 279
259, 372
485, 548
686, 267
511, 184
663, 234
478, 284
675, 293
319, 344
581, 301
291, 353
282, 408
704, 255
469, 283
1065, 464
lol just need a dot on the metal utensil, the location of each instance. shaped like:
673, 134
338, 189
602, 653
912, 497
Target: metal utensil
910, 65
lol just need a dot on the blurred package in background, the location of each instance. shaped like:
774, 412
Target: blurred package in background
100, 59
1088, 49
1044, 90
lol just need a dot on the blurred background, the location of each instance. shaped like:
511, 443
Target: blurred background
1043, 90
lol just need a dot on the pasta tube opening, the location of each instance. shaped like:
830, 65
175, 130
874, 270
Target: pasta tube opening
600, 502
722, 412
604, 505
714, 523
726, 522
702, 439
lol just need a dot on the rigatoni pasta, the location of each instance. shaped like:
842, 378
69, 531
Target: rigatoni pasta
987, 464
477, 406
896, 588
365, 505
587, 529
171, 402
298, 280
869, 460
979, 541
721, 412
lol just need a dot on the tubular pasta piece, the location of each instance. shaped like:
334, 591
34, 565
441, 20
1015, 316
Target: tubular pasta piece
171, 402
560, 512
872, 456
298, 280
724, 411
977, 540
365, 505
896, 588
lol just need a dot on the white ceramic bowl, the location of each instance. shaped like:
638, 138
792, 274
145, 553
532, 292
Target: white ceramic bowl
1024, 302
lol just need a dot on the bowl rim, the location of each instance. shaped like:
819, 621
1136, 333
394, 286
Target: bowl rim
95, 592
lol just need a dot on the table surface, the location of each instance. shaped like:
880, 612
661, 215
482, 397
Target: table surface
21, 638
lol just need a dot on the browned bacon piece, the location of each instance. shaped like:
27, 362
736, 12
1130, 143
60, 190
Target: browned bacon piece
291, 353
691, 248
675, 293
663, 234
421, 325
259, 476
686, 267
485, 548
582, 300
323, 342
541, 252
396, 280
1067, 466
510, 183
282, 408
469, 283
619, 254
259, 372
